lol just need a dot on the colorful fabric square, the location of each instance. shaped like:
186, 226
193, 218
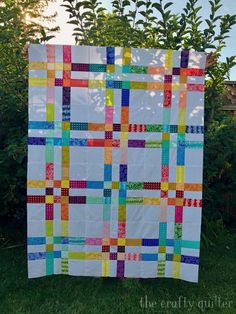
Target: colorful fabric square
115, 158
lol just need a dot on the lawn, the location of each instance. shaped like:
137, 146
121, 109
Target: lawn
215, 292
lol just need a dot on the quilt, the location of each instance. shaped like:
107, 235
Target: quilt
115, 158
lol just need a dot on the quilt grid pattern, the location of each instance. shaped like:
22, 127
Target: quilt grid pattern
115, 155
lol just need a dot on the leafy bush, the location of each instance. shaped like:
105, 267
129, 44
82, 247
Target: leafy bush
220, 169
17, 29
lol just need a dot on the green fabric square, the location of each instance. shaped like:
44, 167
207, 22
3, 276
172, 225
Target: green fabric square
126, 84
125, 69
166, 115
66, 133
106, 212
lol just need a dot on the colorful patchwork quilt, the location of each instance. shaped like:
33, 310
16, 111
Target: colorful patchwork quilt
115, 157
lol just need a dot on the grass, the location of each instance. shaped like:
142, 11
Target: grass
66, 294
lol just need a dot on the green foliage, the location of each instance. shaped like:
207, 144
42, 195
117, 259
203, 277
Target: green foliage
152, 24
220, 149
19, 25
220, 169
149, 24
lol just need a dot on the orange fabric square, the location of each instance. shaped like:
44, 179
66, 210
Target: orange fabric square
64, 211
183, 79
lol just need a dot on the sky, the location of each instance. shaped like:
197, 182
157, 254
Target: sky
65, 34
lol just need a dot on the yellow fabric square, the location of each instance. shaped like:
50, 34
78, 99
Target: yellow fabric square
182, 116
67, 66
124, 135
65, 184
65, 149
175, 86
177, 257
169, 55
49, 199
179, 202
64, 228
105, 256
164, 186
75, 255
180, 174
37, 66
51, 74
138, 85
122, 213
166, 136
109, 97
49, 247
115, 185
65, 125
97, 84
65, 171
34, 81
162, 249
50, 112
59, 66
124, 127
110, 68
90, 255
49, 228
180, 186
176, 269
151, 201
105, 267
181, 128
126, 56
36, 184
65, 158
121, 241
